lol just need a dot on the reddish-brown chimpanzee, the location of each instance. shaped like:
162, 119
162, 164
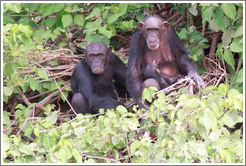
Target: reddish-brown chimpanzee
96, 79
157, 58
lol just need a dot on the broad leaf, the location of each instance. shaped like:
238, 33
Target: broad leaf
79, 20
67, 20
236, 47
229, 58
229, 9
43, 74
219, 19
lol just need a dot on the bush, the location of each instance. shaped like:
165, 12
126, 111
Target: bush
188, 129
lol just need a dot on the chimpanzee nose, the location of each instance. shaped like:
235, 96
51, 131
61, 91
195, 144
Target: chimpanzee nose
96, 61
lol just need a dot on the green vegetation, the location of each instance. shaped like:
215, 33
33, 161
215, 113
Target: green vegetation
42, 43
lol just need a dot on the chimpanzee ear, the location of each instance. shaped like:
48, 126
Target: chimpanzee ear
141, 25
83, 49
109, 49
165, 25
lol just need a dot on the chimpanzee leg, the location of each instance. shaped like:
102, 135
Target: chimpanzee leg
151, 82
80, 103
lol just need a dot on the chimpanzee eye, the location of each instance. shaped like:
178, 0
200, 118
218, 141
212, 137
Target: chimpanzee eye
153, 29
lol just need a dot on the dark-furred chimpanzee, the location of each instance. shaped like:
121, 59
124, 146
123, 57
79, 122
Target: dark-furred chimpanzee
96, 80
157, 58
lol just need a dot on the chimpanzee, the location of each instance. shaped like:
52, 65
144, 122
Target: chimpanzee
157, 58
96, 80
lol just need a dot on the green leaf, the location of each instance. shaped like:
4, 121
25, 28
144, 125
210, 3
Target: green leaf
148, 93
7, 91
121, 109
229, 9
230, 119
47, 10
15, 7
201, 130
236, 47
40, 47
183, 33
92, 26
43, 74
122, 8
77, 155
208, 119
213, 25
65, 153
219, 19
25, 149
196, 35
103, 31
192, 104
50, 22
220, 143
227, 36
53, 117
57, 7
193, 9
67, 20
207, 12
68, 9
239, 77
232, 93
18, 114
113, 18
239, 31
33, 83
89, 138
48, 109
65, 127
229, 58
48, 141
135, 145
6, 119
79, 20
223, 89
95, 12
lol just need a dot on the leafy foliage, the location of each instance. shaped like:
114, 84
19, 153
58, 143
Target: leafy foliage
193, 130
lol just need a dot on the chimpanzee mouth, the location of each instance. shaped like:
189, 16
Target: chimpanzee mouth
97, 70
153, 46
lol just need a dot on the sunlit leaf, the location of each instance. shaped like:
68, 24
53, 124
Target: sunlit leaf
67, 20
229, 9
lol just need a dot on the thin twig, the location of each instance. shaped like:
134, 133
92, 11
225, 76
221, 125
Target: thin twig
65, 97
102, 158
24, 124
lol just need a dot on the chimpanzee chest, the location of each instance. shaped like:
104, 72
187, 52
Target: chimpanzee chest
104, 86
164, 61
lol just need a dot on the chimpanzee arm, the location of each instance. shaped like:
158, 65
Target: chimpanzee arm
190, 69
133, 80
185, 65
82, 80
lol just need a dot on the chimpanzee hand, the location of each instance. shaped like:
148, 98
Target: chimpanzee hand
151, 71
197, 78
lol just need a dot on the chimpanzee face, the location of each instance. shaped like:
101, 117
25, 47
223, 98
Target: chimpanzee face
97, 56
152, 28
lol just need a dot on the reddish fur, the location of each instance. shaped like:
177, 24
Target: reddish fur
162, 56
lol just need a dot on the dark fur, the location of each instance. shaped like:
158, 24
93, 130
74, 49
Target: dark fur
98, 90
